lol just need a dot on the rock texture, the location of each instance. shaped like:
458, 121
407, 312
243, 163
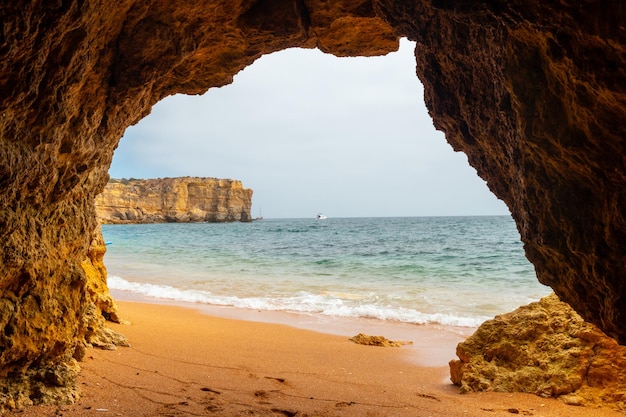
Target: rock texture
532, 91
49, 382
186, 199
547, 349
100, 306
381, 341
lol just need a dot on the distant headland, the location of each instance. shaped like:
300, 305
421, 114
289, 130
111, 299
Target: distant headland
173, 200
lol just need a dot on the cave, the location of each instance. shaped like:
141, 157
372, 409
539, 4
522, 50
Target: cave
532, 92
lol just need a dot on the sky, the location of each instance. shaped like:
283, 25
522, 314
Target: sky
312, 133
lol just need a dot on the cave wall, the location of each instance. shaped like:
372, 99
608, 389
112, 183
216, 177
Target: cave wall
532, 91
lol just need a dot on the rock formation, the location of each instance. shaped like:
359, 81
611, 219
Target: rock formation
547, 349
381, 341
55, 383
174, 200
532, 91
100, 305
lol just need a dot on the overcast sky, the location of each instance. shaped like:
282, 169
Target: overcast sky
310, 133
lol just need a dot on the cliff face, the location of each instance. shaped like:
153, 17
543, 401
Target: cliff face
533, 91
174, 200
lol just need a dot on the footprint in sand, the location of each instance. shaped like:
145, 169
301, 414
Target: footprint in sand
286, 413
510, 410
215, 403
205, 389
281, 380
430, 397
263, 397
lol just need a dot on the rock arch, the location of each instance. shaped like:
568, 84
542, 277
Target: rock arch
532, 91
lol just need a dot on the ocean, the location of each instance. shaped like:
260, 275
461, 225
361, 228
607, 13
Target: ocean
450, 271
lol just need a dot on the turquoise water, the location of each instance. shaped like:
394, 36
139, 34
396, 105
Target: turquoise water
456, 271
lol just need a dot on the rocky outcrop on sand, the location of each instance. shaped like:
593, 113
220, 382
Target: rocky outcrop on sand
186, 199
547, 349
101, 306
56, 382
381, 341
532, 91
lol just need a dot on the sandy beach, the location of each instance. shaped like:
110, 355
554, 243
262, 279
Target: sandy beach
184, 362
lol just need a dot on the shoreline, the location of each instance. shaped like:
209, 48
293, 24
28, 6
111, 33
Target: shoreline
185, 362
432, 345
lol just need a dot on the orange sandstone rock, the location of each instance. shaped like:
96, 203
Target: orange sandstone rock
547, 349
187, 199
100, 306
364, 339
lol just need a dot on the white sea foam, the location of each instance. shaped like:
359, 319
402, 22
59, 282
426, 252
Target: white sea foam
451, 271
328, 304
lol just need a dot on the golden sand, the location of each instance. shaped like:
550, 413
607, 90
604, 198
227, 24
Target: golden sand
185, 363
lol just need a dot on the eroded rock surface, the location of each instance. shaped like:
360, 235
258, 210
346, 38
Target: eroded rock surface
547, 349
50, 382
381, 341
100, 306
187, 199
532, 91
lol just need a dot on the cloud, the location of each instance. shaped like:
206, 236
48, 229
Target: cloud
310, 132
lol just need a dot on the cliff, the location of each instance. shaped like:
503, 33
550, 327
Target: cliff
534, 92
547, 349
185, 199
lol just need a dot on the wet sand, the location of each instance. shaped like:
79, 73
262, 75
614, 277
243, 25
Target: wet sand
185, 362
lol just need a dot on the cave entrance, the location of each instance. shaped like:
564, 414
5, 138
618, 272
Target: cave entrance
349, 137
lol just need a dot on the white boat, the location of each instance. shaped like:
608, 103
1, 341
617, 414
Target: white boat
321, 216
